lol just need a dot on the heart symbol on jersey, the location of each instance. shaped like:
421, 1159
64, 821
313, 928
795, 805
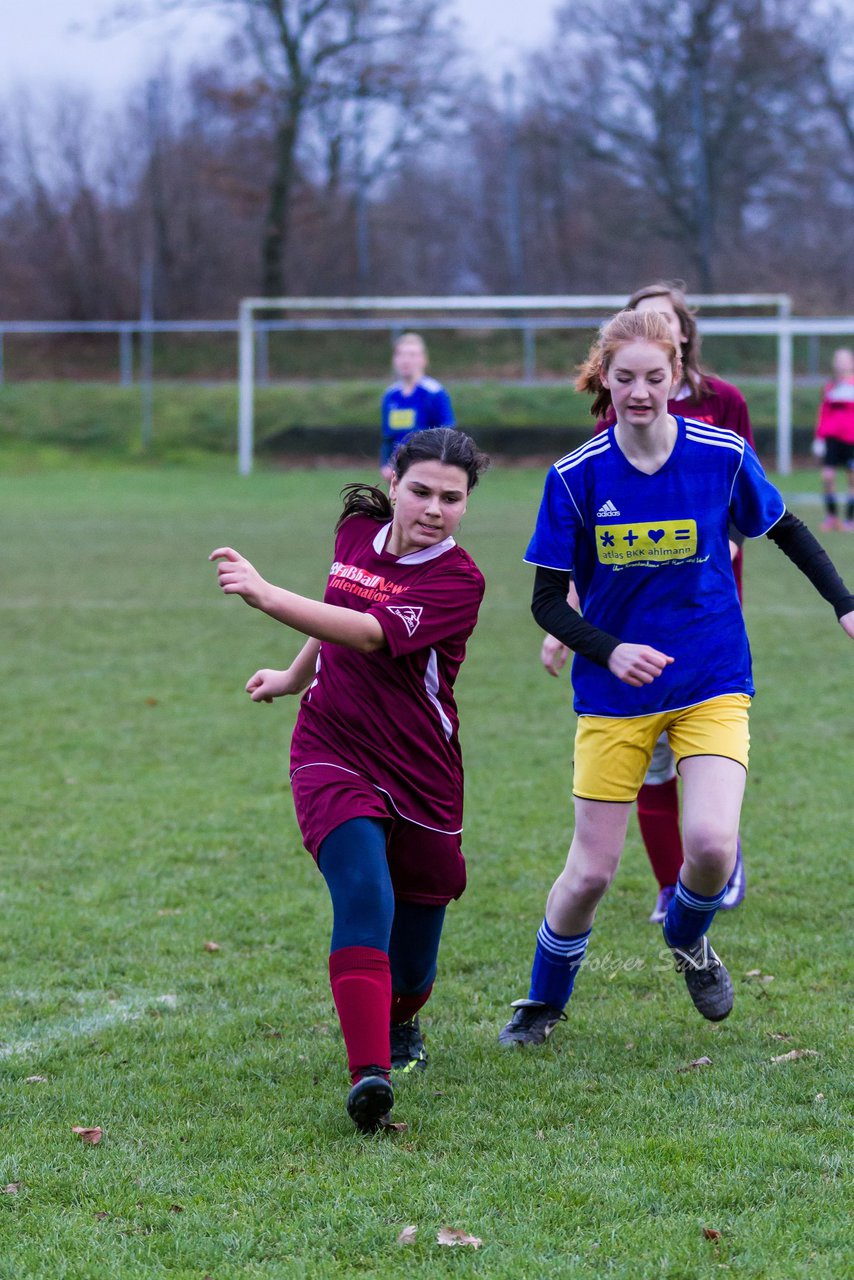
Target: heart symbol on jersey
655, 535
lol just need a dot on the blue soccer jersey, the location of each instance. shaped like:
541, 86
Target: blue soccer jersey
651, 560
427, 405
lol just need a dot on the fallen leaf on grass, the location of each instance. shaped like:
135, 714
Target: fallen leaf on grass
151, 702
711, 1234
92, 1136
170, 911
176, 1208
698, 1062
394, 1126
11, 1188
101, 1216
211, 946
759, 975
780, 1035
407, 1235
794, 1054
36, 1080
819, 1097
452, 1235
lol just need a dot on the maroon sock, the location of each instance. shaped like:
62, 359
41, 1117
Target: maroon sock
360, 978
404, 1007
658, 817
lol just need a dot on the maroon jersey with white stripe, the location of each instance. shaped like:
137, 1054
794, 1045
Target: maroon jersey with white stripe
390, 716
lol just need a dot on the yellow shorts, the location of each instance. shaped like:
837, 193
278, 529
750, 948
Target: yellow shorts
612, 754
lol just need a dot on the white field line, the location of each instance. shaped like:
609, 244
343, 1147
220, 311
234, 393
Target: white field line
84, 1025
124, 606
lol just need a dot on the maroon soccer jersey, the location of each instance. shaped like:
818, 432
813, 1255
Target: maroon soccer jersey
390, 716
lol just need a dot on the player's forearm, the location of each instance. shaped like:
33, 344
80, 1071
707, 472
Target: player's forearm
804, 550
304, 665
556, 616
322, 621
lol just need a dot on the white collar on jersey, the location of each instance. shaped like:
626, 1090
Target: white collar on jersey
414, 557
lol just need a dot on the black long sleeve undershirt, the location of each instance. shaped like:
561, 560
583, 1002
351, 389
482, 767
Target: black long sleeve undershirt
551, 611
806, 552
566, 624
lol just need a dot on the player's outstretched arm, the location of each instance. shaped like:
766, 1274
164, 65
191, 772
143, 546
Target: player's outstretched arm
268, 684
313, 618
804, 550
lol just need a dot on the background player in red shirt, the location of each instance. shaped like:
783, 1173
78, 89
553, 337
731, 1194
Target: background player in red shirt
376, 768
703, 398
834, 438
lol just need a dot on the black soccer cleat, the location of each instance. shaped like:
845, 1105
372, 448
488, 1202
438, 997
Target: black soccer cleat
532, 1023
706, 977
370, 1100
407, 1047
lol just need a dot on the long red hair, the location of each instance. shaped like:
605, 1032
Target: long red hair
626, 326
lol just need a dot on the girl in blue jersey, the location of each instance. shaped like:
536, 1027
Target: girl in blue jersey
415, 402
641, 515
702, 398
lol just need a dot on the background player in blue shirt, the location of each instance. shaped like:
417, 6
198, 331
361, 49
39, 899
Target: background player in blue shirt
413, 403
641, 516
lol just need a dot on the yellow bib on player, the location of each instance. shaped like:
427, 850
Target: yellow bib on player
651, 543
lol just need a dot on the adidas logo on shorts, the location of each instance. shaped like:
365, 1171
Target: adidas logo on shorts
607, 509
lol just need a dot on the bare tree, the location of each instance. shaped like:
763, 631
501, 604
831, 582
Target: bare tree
698, 102
351, 59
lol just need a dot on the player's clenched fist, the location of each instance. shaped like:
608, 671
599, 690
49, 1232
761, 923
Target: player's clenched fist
238, 577
637, 664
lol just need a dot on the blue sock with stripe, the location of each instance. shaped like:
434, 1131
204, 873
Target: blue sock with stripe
689, 915
556, 963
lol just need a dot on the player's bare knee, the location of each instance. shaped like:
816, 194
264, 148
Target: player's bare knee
710, 851
585, 887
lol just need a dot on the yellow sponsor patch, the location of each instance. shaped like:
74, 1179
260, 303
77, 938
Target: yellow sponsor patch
657, 541
401, 419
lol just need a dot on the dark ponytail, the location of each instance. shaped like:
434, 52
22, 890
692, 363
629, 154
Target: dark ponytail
437, 444
364, 500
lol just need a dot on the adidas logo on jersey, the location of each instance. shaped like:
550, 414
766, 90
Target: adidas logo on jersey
607, 509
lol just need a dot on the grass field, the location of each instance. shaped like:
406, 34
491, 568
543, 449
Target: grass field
456, 354
146, 813
188, 421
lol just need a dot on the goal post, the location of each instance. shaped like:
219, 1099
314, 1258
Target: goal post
400, 313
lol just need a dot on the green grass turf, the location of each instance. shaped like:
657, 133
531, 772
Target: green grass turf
191, 420
146, 811
456, 354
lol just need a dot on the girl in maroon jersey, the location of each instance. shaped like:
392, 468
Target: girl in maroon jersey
376, 769
703, 398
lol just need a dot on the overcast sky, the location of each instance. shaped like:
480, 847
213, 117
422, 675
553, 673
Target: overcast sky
54, 41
